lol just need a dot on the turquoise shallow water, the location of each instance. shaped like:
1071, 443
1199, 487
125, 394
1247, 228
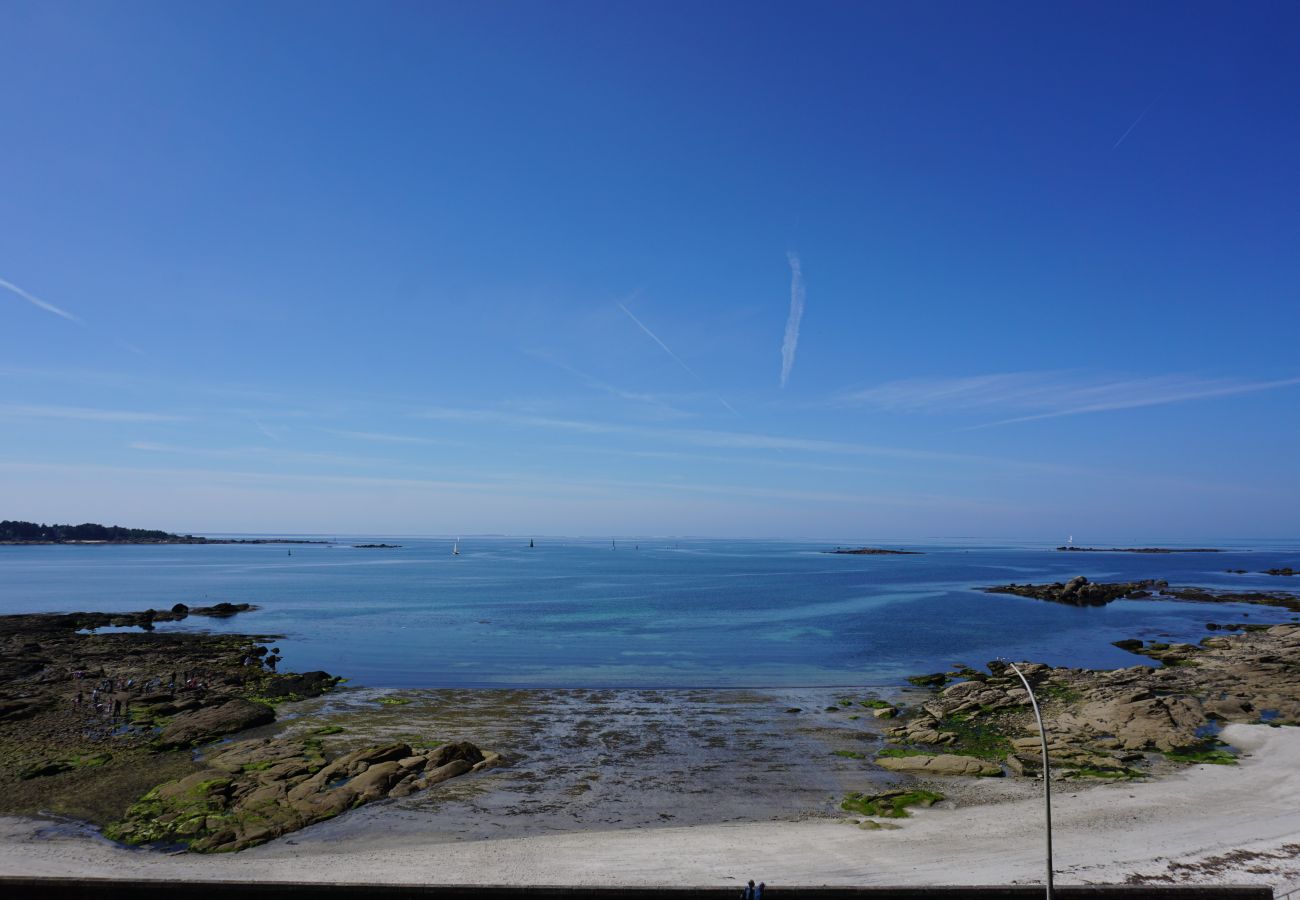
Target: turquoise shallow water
690, 613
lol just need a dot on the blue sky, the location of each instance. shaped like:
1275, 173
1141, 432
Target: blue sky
832, 269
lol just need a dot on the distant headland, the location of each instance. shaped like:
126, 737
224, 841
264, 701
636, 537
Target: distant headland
92, 533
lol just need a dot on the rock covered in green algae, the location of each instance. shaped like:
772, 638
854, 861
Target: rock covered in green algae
255, 790
890, 804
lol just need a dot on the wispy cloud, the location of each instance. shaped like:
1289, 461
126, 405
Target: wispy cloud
380, 437
269, 432
734, 440
791, 342
506, 483
1046, 395
38, 302
654, 337
658, 402
1142, 115
83, 414
267, 454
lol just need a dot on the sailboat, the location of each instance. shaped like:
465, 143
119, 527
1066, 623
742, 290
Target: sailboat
455, 548
530, 543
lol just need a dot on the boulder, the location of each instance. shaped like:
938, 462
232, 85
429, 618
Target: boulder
209, 722
941, 764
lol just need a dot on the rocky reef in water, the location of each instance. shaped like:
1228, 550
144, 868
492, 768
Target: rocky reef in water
1074, 549
872, 551
118, 729
1079, 591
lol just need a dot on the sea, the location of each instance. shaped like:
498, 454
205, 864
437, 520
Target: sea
646, 612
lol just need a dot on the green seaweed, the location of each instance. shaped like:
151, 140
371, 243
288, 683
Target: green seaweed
975, 738
393, 701
937, 679
1211, 752
328, 729
889, 805
850, 754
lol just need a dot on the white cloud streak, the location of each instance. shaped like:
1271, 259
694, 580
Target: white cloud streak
380, 437
83, 414
657, 402
267, 454
1142, 115
719, 439
39, 303
509, 484
1047, 395
654, 337
791, 342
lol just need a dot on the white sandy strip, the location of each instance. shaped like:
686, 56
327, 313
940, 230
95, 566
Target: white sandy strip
1102, 834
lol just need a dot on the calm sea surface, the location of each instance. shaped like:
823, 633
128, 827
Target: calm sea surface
689, 613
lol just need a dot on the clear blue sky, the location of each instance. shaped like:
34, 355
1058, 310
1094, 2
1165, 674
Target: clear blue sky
537, 267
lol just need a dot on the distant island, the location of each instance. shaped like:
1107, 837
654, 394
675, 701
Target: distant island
92, 533
872, 551
377, 546
1140, 549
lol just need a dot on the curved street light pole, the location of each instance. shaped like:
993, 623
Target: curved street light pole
1047, 773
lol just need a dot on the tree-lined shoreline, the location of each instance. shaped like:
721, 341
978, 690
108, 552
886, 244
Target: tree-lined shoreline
19, 532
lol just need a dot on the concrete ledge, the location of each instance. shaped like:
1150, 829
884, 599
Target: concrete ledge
148, 889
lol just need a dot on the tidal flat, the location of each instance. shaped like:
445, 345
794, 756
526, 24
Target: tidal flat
581, 760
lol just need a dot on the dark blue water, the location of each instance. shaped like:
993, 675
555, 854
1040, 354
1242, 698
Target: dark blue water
573, 613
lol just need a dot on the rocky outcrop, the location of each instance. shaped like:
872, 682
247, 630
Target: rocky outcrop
208, 722
297, 687
1109, 724
872, 551
1074, 549
256, 790
1079, 591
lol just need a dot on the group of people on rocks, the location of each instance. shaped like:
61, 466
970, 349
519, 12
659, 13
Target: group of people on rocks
109, 696
106, 693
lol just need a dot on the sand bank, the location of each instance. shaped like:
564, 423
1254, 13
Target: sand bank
1229, 824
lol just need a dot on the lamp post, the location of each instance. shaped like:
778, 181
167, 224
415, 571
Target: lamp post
1047, 773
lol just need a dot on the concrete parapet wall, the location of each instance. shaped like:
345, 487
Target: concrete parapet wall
128, 889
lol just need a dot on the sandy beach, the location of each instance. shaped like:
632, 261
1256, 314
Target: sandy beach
1205, 824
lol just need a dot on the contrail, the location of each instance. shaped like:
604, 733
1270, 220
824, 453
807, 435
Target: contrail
1137, 121
654, 337
791, 341
37, 301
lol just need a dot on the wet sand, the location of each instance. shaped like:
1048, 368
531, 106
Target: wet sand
613, 759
